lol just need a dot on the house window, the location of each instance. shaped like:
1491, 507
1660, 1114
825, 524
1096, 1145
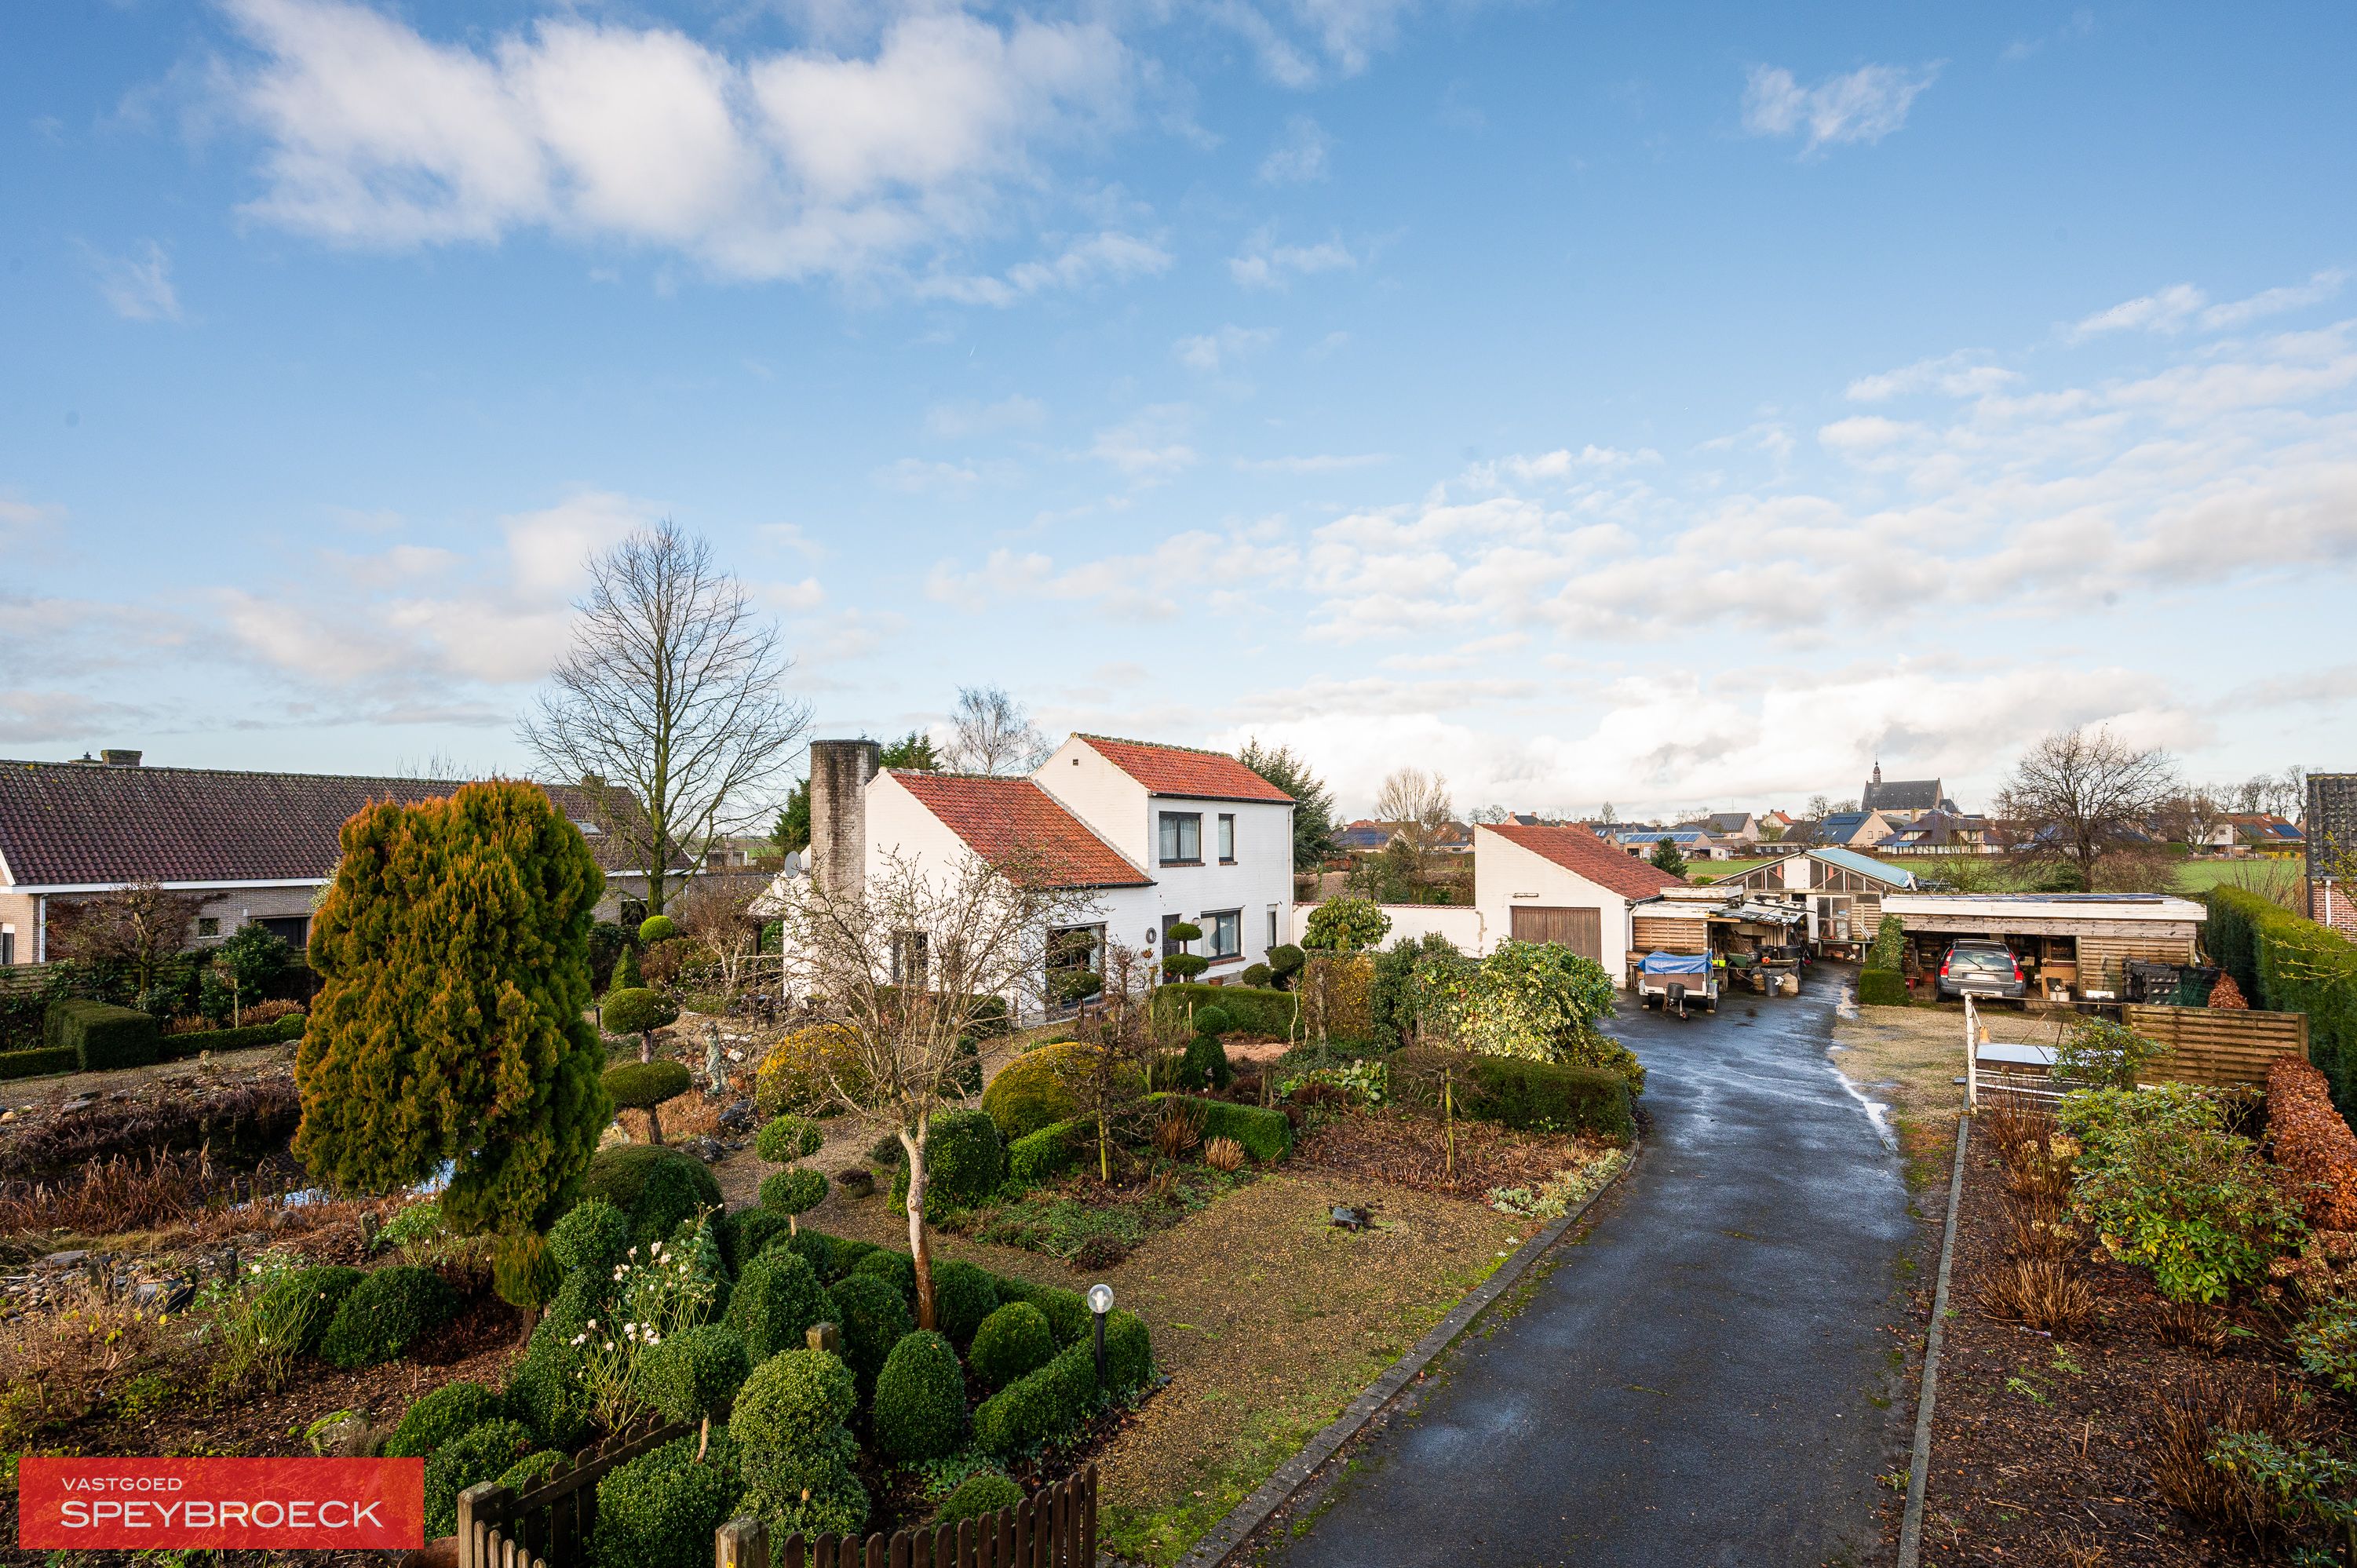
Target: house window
1223, 933
8, 949
908, 960
1272, 925
209, 925
1227, 838
1182, 838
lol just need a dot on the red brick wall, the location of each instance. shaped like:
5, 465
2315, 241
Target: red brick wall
2343, 914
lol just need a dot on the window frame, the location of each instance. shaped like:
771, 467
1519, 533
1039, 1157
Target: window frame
908, 946
208, 926
1172, 833
1213, 922
1227, 842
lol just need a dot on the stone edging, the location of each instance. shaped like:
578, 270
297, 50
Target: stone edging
1918, 1472
1223, 1540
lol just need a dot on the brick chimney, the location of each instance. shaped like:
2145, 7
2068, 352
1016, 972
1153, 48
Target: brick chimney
120, 758
840, 770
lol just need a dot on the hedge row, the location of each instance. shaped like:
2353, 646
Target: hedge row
2314, 1148
2286, 964
1552, 1097
1251, 1008
34, 1063
173, 1047
101, 1034
1883, 988
1267, 1135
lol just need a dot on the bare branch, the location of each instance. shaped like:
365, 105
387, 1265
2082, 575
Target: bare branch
992, 733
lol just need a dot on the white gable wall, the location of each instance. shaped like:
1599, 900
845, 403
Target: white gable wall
1506, 875
1109, 801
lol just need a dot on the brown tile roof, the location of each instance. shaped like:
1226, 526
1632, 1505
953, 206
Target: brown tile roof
1577, 849
83, 823
1183, 771
1001, 819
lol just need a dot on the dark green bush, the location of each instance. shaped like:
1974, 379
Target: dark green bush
976, 1498
1285, 961
382, 1315
656, 1187
1013, 1342
1257, 975
2287, 965
38, 1063
1881, 988
873, 1315
100, 1035
479, 1453
1252, 1010
524, 1272
1045, 1155
1889, 944
581, 1297
626, 975
817, 1248
592, 1237
785, 1139
174, 1047
639, 1085
1067, 1311
1035, 1089
797, 1456
964, 1157
777, 1299
920, 1409
545, 1390
745, 1234
1129, 1352
898, 1269
1265, 1134
533, 1469
660, 1509
1549, 1097
326, 1284
693, 1372
440, 1417
636, 1010
1210, 1019
1205, 1064
796, 1189
963, 1296
843, 1254
1047, 1404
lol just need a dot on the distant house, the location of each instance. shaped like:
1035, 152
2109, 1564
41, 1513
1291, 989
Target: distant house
1731, 827
1561, 884
256, 848
1693, 843
1363, 837
2251, 833
1841, 889
1947, 833
1366, 836
1904, 797
1852, 830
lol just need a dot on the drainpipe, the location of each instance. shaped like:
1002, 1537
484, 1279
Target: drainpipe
41, 928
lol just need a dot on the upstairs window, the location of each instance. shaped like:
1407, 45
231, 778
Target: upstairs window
1227, 838
1182, 838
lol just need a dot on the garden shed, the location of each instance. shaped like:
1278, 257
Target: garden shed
2077, 944
1841, 889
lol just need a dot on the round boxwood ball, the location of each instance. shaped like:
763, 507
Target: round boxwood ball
747, 1233
797, 1189
920, 1409
964, 1157
1256, 974
977, 1496
886, 1264
1213, 1019
591, 1238
636, 1010
786, 1139
693, 1372
440, 1417
657, 928
660, 1509
777, 1299
533, 1469
638, 1085
962, 1296
380, 1318
1012, 1342
524, 1271
656, 1187
875, 1315
478, 1454
546, 1393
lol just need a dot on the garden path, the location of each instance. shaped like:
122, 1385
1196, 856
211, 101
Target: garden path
1711, 1376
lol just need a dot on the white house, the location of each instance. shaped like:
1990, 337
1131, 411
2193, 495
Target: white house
1154, 834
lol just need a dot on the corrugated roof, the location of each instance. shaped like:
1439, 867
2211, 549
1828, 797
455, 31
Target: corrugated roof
1577, 849
1008, 820
1183, 771
1866, 866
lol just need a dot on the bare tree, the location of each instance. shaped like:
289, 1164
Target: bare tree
906, 964
717, 914
990, 732
1126, 1044
2086, 793
667, 707
138, 925
1416, 803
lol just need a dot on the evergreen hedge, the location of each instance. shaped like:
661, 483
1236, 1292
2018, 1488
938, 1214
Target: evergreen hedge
1550, 1097
2288, 965
1247, 1007
1044, 1155
100, 1035
920, 1409
38, 1062
1034, 1409
1012, 1343
1883, 988
385, 1313
1265, 1134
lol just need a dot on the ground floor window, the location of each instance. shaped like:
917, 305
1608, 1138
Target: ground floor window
8, 949
1223, 933
1272, 925
910, 968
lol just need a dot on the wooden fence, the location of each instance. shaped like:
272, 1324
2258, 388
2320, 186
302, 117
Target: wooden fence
1053, 1528
2218, 1044
548, 1523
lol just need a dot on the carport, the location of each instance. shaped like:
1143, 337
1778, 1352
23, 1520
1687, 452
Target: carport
2071, 946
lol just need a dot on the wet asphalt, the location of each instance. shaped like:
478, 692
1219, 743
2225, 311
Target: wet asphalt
1707, 1377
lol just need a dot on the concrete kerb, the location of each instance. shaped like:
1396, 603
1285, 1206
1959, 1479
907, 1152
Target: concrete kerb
1288, 1478
1918, 1471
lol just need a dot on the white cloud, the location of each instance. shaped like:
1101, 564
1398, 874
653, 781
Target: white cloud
2163, 310
920, 475
1264, 264
2275, 301
1299, 42
1316, 463
1154, 585
957, 421
781, 165
1955, 375
1107, 256
21, 519
1866, 105
1563, 462
1211, 351
1299, 155
138, 287
1150, 448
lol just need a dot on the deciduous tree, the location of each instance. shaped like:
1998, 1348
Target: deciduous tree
137, 926
2084, 794
990, 732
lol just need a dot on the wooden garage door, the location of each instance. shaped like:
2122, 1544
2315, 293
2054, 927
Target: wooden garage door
1581, 930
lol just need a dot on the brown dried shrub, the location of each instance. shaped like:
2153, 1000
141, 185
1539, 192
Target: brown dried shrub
60, 1363
2038, 1179
2192, 1323
1223, 1154
2041, 1293
2039, 1232
2315, 1151
1178, 1130
2011, 1123
2185, 1420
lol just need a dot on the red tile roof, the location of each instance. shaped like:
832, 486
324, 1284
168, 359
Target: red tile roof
88, 824
1002, 819
1183, 771
1577, 849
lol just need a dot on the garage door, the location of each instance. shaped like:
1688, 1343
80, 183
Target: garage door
1581, 930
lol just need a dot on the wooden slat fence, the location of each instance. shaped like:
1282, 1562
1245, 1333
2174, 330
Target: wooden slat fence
1056, 1527
2218, 1044
547, 1524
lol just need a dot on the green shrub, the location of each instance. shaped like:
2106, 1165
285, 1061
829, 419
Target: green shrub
660, 1510
1393, 992
1265, 1134
1034, 1091
1252, 1011
816, 1248
1129, 1352
1067, 1311
777, 1299
386, 1313
1881, 988
545, 1390
1213, 1019
479, 1453
745, 1234
1285, 961
657, 928
636, 1010
978, 1497
440, 1417
524, 1273
785, 1139
533, 1469
1547, 1096
581, 1297
920, 1409
2287, 965
1013, 1342
100, 1035
302, 1304
2098, 1118
2326, 1342
844, 1253
873, 1314
964, 1157
797, 1456
1257, 975
796, 1189
2300, 1482
175, 1047
638, 1086
896, 1269
592, 1237
1047, 1404
626, 975
1345, 925
1205, 1064
656, 1187
2192, 1204
1045, 1155
38, 1063
691, 1373
1889, 946
963, 1296
2098, 1050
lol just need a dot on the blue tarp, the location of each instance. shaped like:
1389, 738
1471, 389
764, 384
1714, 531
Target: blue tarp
1676, 963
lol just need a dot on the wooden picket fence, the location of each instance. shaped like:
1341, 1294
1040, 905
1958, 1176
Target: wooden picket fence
546, 1524
1056, 1527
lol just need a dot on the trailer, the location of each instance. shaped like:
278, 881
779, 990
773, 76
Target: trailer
1676, 981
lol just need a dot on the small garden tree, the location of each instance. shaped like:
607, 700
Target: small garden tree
640, 1012
454, 948
644, 1086
1182, 964
1536, 1000
1121, 1039
1345, 925
135, 928
1666, 858
907, 966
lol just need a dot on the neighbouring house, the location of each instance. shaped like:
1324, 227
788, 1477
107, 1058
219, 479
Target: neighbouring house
2074, 944
1561, 884
1775, 824
1903, 798
1692, 843
1363, 837
1947, 833
1366, 836
256, 847
1842, 890
2250, 833
2330, 849
1730, 827
1852, 830
1153, 835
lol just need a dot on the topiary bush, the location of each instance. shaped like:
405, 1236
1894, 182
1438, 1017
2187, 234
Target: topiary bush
1215, 1019
976, 1498
1257, 974
785, 1139
1205, 1064
1259, 1012
964, 1158
920, 1408
100, 1035
797, 1189
1033, 1410
897, 1269
479, 1453
440, 1417
1285, 961
657, 928
524, 1273
1013, 1342
963, 1296
644, 1086
386, 1313
591, 1238
1889, 944
626, 975
1067, 1311
801, 1071
660, 1509
637, 1010
745, 1234
545, 1390
1265, 1134
796, 1455
1883, 988
777, 1299
1034, 1091
873, 1314
1343, 925
693, 1372
655, 1187
1045, 1155
1129, 1353
533, 1469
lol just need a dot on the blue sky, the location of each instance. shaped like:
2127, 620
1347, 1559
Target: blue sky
1672, 406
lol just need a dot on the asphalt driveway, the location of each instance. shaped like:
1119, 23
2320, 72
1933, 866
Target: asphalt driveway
1709, 1377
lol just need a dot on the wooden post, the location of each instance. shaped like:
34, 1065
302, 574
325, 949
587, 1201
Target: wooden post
741, 1543
481, 1508
824, 1337
1972, 1059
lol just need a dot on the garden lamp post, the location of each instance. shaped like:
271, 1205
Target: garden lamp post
1100, 1303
